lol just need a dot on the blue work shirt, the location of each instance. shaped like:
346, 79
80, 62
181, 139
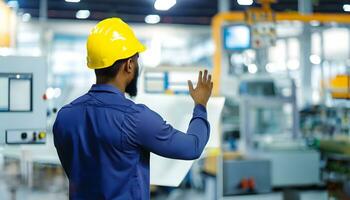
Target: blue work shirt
104, 142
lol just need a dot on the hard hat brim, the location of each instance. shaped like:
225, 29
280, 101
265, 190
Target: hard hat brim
141, 48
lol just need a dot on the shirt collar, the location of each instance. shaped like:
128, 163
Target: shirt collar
105, 88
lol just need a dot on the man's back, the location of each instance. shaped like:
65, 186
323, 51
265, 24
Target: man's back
104, 140
88, 136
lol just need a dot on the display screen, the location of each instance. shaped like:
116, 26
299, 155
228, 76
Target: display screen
15, 92
257, 88
236, 37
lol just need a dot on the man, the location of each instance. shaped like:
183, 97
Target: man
104, 140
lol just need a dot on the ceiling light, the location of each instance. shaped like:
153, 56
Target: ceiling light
72, 1
245, 2
164, 4
26, 17
152, 19
12, 4
315, 59
82, 14
346, 7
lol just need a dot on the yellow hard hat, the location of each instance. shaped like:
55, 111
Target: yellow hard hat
111, 40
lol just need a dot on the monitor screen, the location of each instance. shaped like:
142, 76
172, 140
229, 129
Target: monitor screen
257, 88
236, 37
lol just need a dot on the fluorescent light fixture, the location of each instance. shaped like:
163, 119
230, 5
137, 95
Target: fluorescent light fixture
12, 4
72, 1
164, 4
346, 7
82, 14
26, 17
245, 2
152, 19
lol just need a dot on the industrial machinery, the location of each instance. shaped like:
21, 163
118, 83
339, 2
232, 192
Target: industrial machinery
268, 106
22, 107
23, 116
273, 153
246, 176
270, 130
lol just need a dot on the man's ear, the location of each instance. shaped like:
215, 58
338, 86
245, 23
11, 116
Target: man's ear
128, 66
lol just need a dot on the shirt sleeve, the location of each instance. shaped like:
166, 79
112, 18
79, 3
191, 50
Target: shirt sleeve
148, 130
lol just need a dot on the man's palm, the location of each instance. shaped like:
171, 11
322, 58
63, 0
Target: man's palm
202, 92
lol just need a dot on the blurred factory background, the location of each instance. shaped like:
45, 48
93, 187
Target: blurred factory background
281, 66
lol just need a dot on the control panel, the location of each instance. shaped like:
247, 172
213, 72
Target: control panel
25, 137
23, 110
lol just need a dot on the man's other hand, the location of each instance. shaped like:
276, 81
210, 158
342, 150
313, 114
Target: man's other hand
202, 92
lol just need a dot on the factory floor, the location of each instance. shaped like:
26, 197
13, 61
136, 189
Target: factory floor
194, 195
24, 193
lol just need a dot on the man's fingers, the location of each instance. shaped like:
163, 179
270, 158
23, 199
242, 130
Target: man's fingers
209, 79
211, 85
205, 76
200, 77
190, 86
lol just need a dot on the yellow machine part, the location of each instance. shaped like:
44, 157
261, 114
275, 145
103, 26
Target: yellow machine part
340, 86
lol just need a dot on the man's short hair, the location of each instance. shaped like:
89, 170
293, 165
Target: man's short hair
105, 75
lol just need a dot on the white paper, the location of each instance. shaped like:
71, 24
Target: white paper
168, 172
177, 110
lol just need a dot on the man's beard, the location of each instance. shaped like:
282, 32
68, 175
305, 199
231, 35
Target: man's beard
131, 88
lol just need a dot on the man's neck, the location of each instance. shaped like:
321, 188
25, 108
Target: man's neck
117, 85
